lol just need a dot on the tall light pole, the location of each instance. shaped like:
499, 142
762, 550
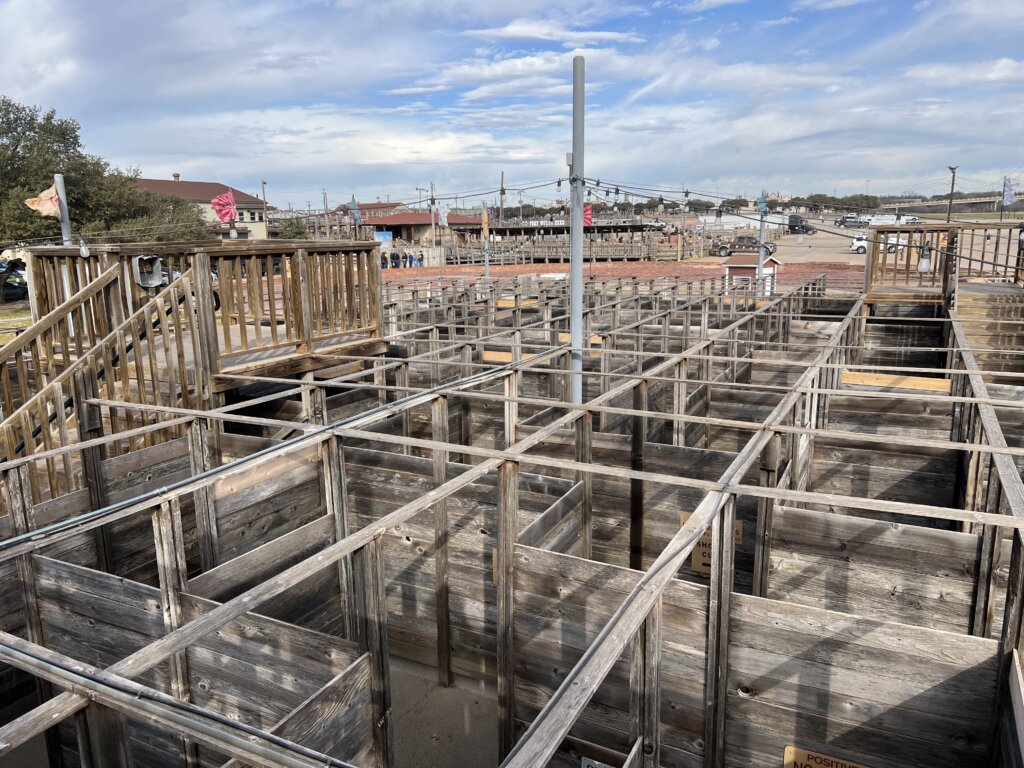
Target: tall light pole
266, 223
952, 187
867, 187
576, 235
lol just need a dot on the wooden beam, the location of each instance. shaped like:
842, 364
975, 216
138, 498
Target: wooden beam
18, 498
584, 455
122, 696
90, 428
172, 574
439, 433
895, 381
508, 510
373, 614
636, 485
201, 460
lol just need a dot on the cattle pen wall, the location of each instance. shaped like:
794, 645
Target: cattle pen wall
784, 524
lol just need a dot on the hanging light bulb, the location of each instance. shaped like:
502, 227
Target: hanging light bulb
924, 262
558, 186
83, 249
232, 232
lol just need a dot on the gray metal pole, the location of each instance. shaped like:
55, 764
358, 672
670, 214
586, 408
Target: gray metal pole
952, 189
759, 292
576, 236
62, 196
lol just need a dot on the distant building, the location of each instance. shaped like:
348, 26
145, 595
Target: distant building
250, 224
414, 227
742, 268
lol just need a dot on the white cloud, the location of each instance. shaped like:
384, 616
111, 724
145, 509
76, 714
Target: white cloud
698, 6
823, 5
1004, 70
708, 43
538, 29
767, 23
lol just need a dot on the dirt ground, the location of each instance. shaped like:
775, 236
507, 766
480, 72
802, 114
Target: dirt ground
821, 253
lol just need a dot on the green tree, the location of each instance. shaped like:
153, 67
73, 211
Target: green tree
102, 201
293, 229
735, 203
700, 206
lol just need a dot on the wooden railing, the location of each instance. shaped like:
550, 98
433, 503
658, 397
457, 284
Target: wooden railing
955, 251
295, 299
39, 353
141, 360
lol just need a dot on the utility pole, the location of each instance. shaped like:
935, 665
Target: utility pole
576, 234
62, 200
501, 205
309, 218
327, 218
433, 235
266, 222
762, 207
952, 187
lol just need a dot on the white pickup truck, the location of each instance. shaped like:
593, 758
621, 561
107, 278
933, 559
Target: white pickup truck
862, 242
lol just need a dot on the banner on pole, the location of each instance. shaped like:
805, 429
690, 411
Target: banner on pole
588, 215
47, 203
224, 206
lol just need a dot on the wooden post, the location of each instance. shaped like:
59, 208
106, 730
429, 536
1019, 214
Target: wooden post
200, 460
584, 455
374, 618
305, 313
770, 458
332, 466
636, 485
984, 585
207, 352
169, 544
508, 510
19, 504
717, 658
651, 730
439, 433
90, 426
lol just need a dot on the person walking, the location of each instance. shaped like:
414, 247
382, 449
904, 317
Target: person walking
395, 260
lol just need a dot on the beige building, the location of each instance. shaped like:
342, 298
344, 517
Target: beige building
250, 224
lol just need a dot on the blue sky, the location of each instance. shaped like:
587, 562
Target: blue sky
379, 97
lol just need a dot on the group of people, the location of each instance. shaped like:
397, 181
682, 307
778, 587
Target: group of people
398, 260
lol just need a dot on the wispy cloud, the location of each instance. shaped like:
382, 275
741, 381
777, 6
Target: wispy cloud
780, 22
698, 6
999, 71
541, 30
823, 5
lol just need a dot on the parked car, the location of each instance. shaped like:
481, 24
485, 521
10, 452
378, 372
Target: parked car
851, 221
15, 285
862, 242
798, 225
740, 244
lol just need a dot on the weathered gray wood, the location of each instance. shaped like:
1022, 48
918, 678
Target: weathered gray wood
538, 532
90, 427
636, 485
172, 573
373, 612
584, 455
18, 499
439, 433
508, 504
201, 460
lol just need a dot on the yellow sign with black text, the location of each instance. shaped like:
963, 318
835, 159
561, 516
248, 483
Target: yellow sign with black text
795, 757
700, 559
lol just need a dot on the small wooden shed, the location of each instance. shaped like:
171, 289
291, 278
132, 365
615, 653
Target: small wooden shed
742, 267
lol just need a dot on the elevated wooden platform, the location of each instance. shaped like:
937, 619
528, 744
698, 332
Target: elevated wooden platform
777, 525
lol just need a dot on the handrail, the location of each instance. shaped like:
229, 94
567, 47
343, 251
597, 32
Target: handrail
38, 342
106, 364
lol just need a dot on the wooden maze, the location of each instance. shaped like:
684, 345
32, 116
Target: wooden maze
778, 527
